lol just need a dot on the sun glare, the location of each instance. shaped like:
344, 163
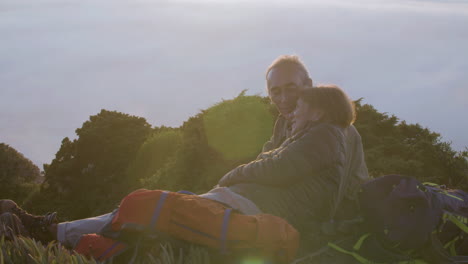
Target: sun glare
253, 261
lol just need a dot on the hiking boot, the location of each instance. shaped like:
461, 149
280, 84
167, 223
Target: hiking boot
38, 227
11, 226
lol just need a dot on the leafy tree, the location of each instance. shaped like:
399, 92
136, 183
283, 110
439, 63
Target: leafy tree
18, 175
153, 154
116, 153
185, 171
238, 128
88, 175
393, 147
216, 140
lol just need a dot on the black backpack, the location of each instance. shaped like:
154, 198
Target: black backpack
404, 221
417, 220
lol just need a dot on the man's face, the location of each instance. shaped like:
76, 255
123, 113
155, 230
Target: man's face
284, 84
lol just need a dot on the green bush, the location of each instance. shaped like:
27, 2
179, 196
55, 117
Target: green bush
88, 175
394, 147
157, 150
238, 128
116, 153
18, 175
215, 141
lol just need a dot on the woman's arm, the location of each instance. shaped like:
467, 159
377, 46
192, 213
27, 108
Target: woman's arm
318, 149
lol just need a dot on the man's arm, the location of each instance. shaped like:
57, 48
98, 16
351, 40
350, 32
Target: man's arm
318, 149
358, 163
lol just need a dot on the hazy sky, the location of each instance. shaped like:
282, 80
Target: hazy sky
62, 61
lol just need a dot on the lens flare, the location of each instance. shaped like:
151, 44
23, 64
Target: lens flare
253, 261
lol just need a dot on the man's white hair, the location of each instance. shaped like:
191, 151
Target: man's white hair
288, 60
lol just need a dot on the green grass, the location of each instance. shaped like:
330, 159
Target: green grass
25, 250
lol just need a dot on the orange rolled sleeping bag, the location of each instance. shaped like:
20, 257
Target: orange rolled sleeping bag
209, 223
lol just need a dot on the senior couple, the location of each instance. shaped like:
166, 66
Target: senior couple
308, 172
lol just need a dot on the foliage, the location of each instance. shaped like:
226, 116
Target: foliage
18, 175
116, 153
88, 175
153, 154
242, 125
238, 128
393, 147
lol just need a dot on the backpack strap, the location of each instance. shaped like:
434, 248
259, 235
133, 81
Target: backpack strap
460, 221
441, 189
446, 253
436, 251
353, 252
224, 229
158, 208
186, 192
366, 248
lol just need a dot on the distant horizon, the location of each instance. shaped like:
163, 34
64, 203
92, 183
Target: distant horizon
63, 61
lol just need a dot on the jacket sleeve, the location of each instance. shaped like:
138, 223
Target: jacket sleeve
358, 163
279, 133
356, 171
317, 150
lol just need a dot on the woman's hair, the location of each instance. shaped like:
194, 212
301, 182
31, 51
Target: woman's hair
336, 106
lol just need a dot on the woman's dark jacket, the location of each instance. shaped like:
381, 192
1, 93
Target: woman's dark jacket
298, 181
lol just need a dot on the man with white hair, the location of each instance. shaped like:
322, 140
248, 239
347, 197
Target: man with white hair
286, 78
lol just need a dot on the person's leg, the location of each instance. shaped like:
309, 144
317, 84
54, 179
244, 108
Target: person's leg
46, 229
69, 233
6, 206
11, 226
36, 226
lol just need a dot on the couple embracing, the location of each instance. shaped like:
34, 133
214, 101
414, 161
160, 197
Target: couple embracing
308, 173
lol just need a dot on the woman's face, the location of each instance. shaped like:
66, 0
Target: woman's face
303, 115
